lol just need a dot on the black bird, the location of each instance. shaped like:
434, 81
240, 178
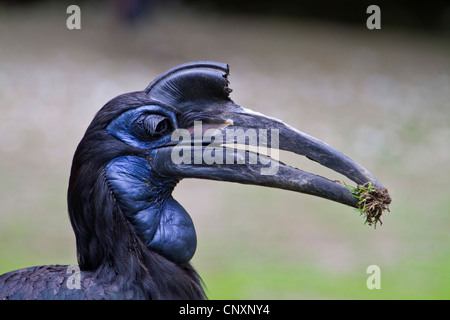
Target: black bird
134, 240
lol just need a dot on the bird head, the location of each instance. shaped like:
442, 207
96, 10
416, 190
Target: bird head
183, 125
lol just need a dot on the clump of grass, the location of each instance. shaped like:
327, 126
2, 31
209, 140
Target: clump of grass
372, 202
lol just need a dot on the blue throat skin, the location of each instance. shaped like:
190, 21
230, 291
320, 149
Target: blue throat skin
146, 200
144, 196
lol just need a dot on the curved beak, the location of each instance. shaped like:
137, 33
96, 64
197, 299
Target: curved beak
214, 151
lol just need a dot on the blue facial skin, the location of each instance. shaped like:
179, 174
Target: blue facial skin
146, 197
126, 127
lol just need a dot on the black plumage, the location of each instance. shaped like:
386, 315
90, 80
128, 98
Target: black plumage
114, 262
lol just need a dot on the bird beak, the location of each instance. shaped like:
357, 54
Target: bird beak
214, 151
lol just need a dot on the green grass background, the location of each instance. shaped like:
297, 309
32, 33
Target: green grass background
381, 97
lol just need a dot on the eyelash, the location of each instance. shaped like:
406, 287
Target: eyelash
153, 125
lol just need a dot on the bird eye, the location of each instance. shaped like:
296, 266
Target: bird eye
154, 125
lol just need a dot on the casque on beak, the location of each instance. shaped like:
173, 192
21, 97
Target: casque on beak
206, 152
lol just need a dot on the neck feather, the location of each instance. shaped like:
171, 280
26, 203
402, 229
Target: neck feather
109, 245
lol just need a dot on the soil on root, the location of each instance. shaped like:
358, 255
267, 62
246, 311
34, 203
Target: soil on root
372, 202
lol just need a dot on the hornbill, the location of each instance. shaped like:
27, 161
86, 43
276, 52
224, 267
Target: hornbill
133, 239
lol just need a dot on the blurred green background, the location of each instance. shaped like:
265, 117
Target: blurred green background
381, 97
